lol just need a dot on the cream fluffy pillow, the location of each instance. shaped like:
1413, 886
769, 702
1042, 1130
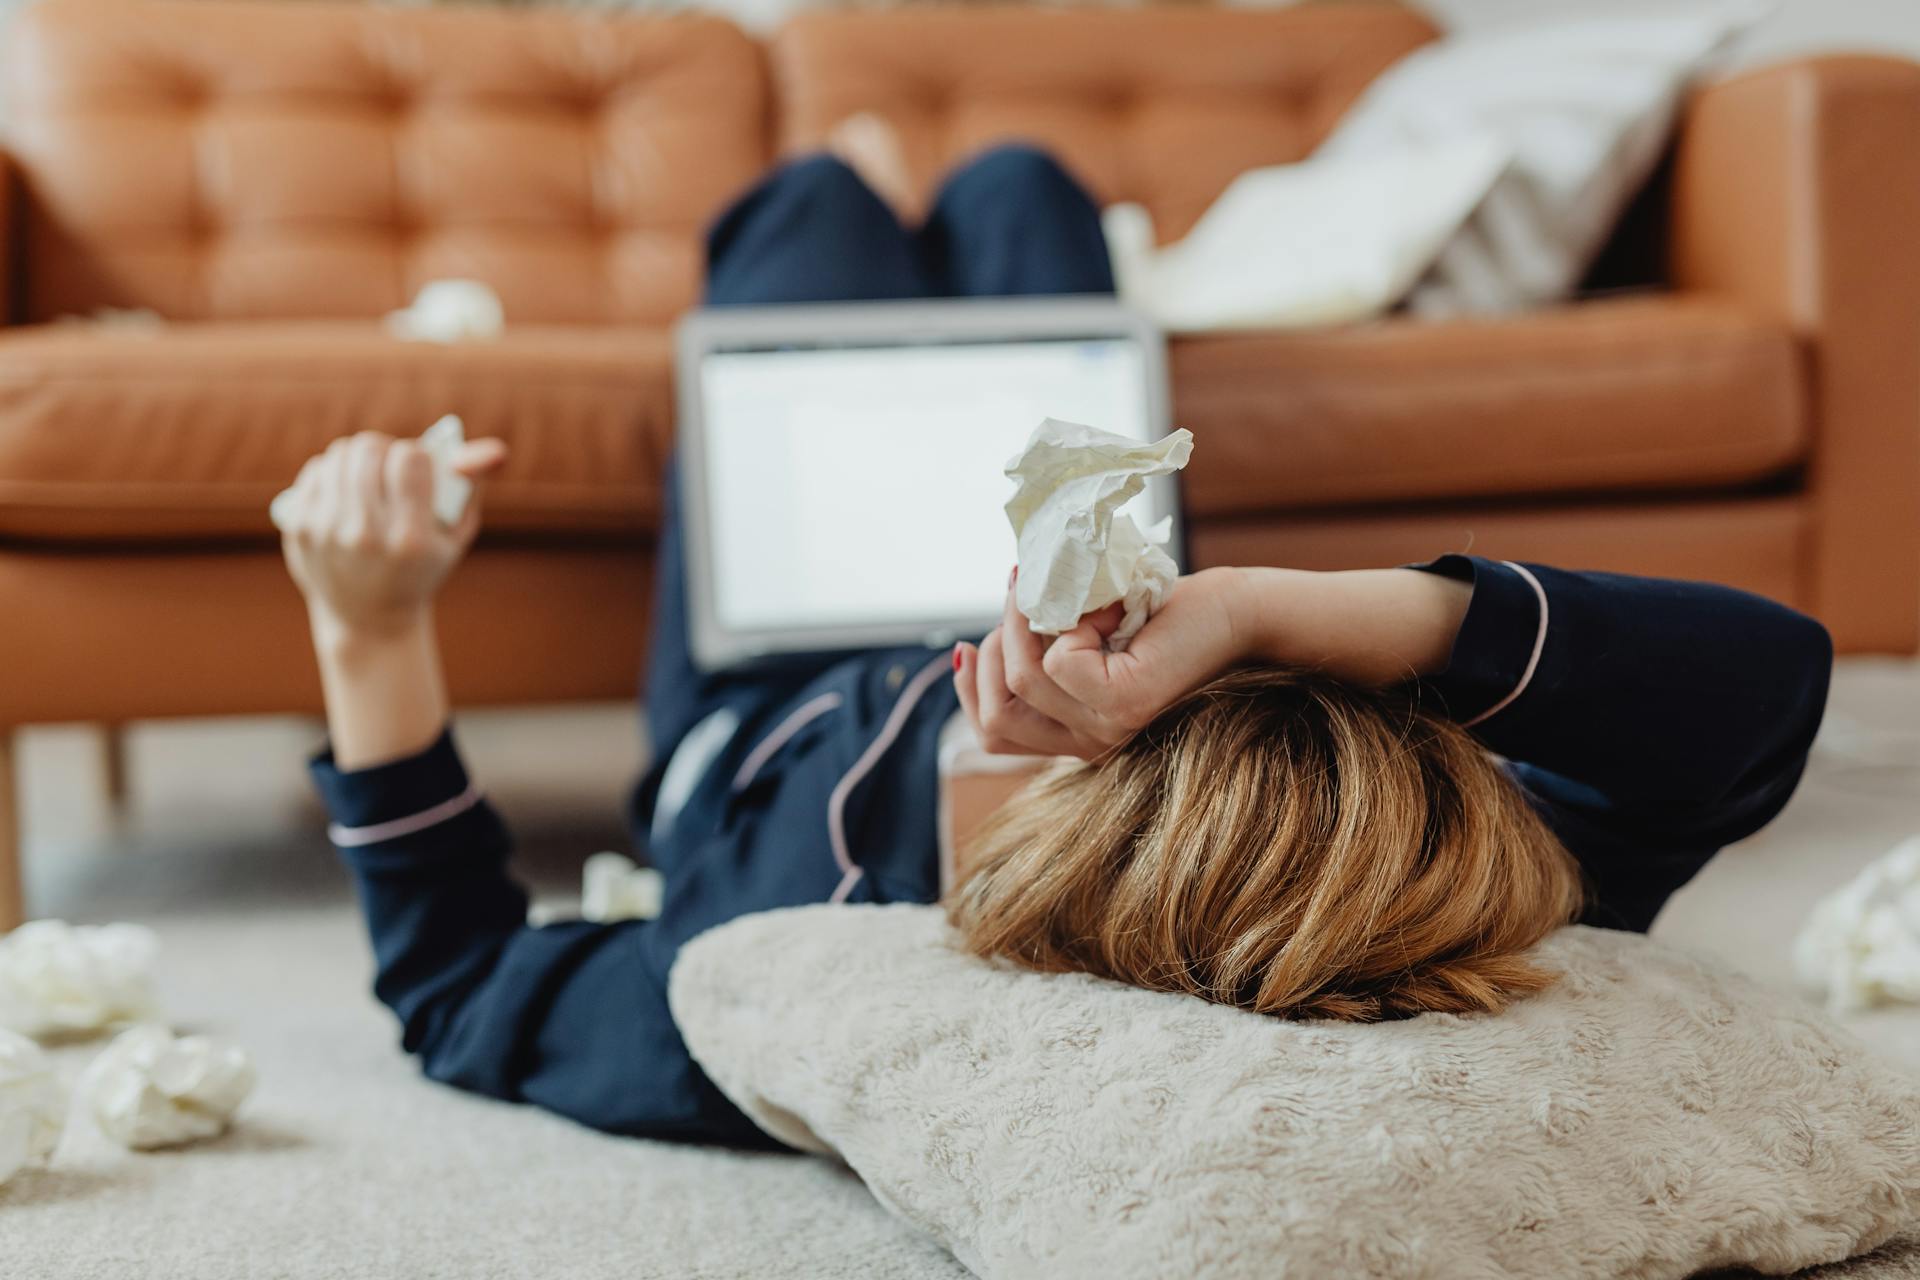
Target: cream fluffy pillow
1647, 1116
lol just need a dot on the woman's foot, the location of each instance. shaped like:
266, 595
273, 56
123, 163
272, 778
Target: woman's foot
871, 148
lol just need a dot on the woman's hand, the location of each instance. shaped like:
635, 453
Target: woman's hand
369, 553
362, 540
1030, 695
1065, 695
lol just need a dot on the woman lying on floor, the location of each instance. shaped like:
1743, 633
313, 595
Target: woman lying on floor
1358, 795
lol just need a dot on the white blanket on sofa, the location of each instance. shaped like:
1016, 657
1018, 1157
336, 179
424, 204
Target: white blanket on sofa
1481, 174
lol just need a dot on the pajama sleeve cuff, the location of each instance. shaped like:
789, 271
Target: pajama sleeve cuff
1497, 652
389, 801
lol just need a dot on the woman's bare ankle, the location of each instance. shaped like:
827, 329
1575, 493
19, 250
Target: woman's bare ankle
871, 148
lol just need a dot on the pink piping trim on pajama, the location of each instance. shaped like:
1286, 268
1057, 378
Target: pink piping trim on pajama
355, 837
1533, 661
837, 801
803, 715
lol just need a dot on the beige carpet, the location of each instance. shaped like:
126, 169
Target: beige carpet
347, 1165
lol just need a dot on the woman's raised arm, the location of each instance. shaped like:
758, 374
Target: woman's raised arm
1652, 721
1655, 721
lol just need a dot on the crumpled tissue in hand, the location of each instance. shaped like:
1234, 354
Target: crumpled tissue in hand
614, 887
32, 1107
450, 311
62, 979
451, 491
149, 1089
1078, 553
1861, 945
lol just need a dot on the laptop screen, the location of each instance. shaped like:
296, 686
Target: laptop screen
852, 486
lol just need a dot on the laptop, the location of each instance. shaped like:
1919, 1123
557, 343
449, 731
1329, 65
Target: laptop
842, 466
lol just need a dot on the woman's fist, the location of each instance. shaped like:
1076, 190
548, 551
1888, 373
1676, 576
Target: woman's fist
361, 538
1068, 696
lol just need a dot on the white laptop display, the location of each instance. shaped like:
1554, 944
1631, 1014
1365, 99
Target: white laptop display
841, 466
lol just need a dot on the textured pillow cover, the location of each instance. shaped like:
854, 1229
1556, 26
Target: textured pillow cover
1649, 1115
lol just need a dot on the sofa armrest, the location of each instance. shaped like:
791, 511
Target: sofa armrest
13, 198
1797, 193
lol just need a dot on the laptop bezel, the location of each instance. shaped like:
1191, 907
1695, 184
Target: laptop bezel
717, 647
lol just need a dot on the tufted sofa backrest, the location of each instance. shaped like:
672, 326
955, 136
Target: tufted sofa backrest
1161, 106
218, 160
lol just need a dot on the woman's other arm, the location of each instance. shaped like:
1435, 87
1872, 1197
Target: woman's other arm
556, 1016
1679, 710
1654, 721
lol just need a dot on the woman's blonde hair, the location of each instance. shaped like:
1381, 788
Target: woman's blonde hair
1282, 843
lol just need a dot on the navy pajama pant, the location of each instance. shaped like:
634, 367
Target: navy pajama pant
1009, 223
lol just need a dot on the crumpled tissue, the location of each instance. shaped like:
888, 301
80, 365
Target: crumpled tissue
1861, 944
451, 490
62, 979
450, 311
32, 1107
1078, 551
138, 322
149, 1089
614, 887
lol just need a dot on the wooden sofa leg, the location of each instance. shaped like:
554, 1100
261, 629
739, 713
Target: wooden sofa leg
13, 902
113, 763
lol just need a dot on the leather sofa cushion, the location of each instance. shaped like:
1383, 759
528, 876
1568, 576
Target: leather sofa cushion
1632, 394
1164, 106
216, 161
188, 433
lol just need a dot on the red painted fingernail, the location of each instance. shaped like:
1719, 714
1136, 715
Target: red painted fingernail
959, 654
1012, 574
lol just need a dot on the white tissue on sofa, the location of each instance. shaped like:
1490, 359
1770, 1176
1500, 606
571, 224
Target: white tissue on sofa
33, 1108
1078, 551
63, 979
450, 311
149, 1089
1860, 946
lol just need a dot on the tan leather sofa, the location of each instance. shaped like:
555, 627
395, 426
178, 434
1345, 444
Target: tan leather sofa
272, 178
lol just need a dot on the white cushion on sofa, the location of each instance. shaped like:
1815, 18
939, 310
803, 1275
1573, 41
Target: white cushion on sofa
1583, 105
1327, 241
1649, 1115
